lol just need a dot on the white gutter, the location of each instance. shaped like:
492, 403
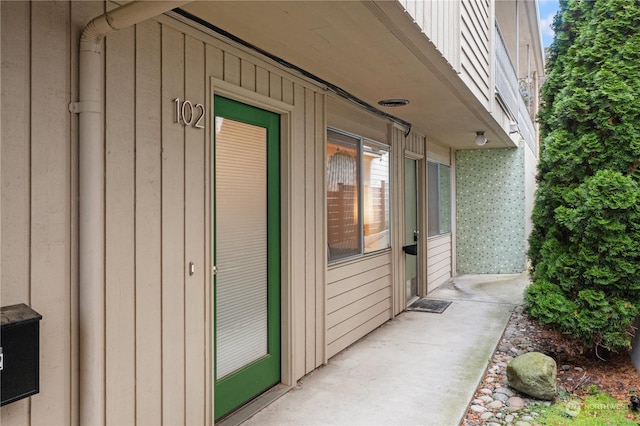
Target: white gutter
91, 200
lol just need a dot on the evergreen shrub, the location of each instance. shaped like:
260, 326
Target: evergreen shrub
585, 244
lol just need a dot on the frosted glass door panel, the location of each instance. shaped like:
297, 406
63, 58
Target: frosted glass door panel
241, 245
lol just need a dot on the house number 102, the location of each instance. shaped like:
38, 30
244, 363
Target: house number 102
189, 114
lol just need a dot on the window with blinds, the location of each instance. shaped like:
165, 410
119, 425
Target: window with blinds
241, 229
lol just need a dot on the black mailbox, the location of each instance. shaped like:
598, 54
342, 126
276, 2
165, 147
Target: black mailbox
19, 352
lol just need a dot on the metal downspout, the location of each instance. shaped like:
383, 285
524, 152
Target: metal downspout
91, 290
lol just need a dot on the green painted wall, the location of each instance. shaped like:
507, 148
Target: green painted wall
490, 203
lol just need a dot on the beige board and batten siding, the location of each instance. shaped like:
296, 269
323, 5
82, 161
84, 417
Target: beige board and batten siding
412, 146
358, 291
38, 209
174, 310
440, 248
157, 216
440, 21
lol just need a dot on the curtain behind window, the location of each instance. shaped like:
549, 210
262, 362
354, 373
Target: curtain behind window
342, 197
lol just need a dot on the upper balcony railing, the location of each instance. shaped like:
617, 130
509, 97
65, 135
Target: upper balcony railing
526, 127
514, 95
462, 33
506, 79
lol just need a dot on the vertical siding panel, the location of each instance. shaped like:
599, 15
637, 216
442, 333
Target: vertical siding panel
309, 230
443, 26
298, 230
262, 81
195, 85
427, 22
474, 47
148, 226
214, 68
215, 64
419, 16
173, 268
120, 228
231, 69
320, 234
247, 75
15, 170
422, 209
15, 29
50, 208
435, 23
397, 215
411, 7
275, 86
449, 41
457, 40
287, 94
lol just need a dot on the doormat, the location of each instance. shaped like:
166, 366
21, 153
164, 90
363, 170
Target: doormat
429, 305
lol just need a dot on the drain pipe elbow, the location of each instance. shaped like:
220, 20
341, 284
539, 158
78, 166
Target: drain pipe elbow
91, 291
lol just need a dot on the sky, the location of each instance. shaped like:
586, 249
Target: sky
548, 9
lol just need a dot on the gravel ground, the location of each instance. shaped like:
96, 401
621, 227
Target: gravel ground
494, 402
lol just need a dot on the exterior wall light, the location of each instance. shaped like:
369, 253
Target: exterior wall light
480, 139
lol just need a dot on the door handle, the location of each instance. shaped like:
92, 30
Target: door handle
411, 249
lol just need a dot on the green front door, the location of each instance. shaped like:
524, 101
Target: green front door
246, 253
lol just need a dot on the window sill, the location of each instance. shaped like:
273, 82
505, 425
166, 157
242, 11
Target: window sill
357, 258
436, 237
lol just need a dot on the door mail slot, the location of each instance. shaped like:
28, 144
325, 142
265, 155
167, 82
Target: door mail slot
19, 352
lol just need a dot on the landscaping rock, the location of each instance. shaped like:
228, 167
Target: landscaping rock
486, 416
486, 399
495, 405
500, 397
478, 408
505, 391
534, 374
515, 403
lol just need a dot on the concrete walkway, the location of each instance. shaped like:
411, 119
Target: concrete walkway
418, 369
